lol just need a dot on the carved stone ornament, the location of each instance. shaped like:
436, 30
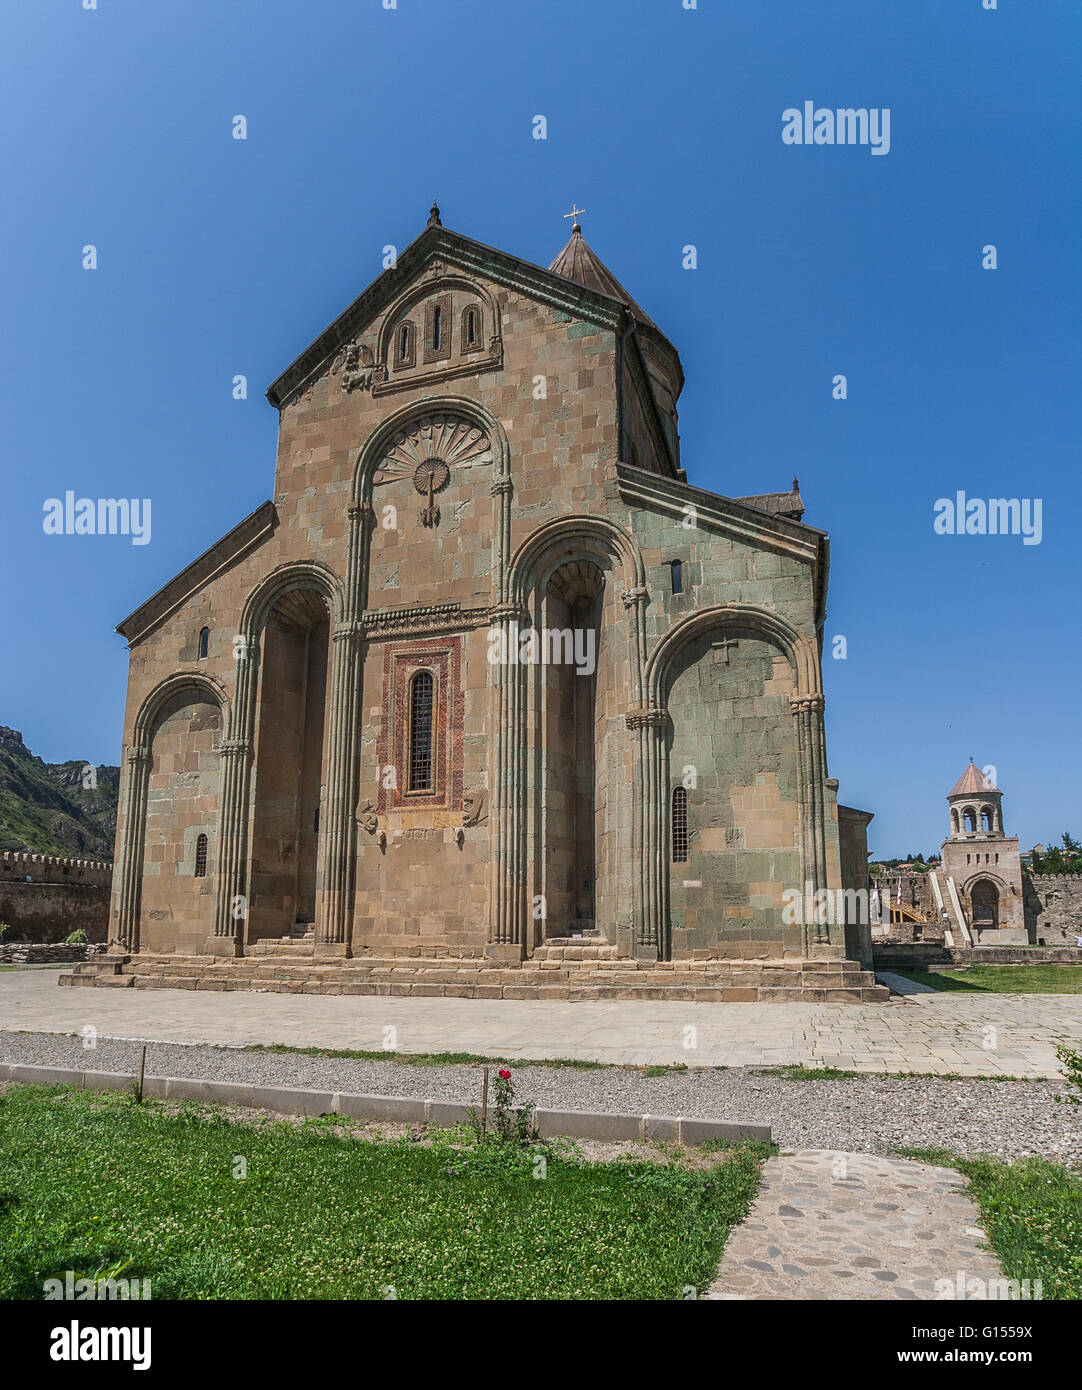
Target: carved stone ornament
473, 808
359, 365
646, 718
427, 453
368, 819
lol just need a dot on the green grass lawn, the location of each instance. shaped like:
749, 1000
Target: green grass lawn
91, 1180
1003, 979
1032, 1212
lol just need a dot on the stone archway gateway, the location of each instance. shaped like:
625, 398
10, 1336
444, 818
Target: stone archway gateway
984, 897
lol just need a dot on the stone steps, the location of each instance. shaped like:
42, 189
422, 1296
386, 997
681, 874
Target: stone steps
571, 978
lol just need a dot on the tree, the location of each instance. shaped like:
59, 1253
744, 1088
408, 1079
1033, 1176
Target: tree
1065, 858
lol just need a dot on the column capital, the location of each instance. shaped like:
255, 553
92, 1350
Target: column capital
234, 747
138, 756
502, 487
806, 704
633, 596
357, 510
653, 718
508, 612
351, 630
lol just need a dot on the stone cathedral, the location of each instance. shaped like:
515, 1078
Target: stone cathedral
489, 700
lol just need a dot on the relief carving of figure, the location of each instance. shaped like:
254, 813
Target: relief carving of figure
357, 365
473, 808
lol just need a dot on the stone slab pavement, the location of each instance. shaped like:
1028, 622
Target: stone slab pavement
963, 1034
857, 1226
898, 984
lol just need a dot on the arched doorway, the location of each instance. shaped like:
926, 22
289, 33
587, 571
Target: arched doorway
568, 643
984, 901
289, 775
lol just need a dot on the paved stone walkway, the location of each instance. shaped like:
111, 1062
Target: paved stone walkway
898, 984
970, 1035
855, 1226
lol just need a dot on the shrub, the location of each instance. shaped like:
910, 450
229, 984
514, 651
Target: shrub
1072, 1070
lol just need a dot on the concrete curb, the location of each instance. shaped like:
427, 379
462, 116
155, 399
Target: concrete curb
289, 1100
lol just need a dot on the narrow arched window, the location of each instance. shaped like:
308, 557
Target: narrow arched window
404, 344
471, 326
679, 825
201, 857
677, 576
420, 732
437, 318
204, 642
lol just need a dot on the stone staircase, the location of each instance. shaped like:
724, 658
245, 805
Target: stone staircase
569, 969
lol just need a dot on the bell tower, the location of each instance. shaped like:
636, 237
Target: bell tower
984, 862
976, 806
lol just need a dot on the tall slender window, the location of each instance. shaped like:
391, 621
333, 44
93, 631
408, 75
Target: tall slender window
471, 326
204, 642
436, 328
679, 825
201, 857
677, 577
420, 732
404, 344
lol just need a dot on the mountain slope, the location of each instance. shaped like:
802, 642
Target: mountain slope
45, 808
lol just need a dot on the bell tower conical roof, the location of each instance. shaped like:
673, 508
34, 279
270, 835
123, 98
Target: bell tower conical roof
973, 782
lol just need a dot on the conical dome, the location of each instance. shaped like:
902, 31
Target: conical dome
578, 262
973, 782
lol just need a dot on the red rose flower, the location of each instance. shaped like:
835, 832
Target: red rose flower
506, 1075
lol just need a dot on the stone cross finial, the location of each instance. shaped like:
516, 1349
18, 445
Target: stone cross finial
576, 212
722, 648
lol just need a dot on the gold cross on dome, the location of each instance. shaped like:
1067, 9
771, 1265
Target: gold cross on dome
576, 212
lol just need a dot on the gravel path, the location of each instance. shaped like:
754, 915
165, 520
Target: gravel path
867, 1113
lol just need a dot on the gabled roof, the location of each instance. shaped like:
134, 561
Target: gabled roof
973, 782
604, 299
789, 504
254, 528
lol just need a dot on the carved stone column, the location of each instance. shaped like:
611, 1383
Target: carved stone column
231, 895
807, 710
652, 921
507, 771
507, 925
338, 823
130, 879
232, 901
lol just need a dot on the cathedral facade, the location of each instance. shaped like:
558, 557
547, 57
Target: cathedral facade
487, 673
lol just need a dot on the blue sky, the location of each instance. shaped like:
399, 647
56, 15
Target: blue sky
219, 256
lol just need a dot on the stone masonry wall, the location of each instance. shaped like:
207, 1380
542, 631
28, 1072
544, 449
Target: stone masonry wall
743, 802
1054, 907
44, 899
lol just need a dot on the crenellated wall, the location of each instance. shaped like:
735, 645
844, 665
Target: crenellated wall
44, 898
1053, 904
